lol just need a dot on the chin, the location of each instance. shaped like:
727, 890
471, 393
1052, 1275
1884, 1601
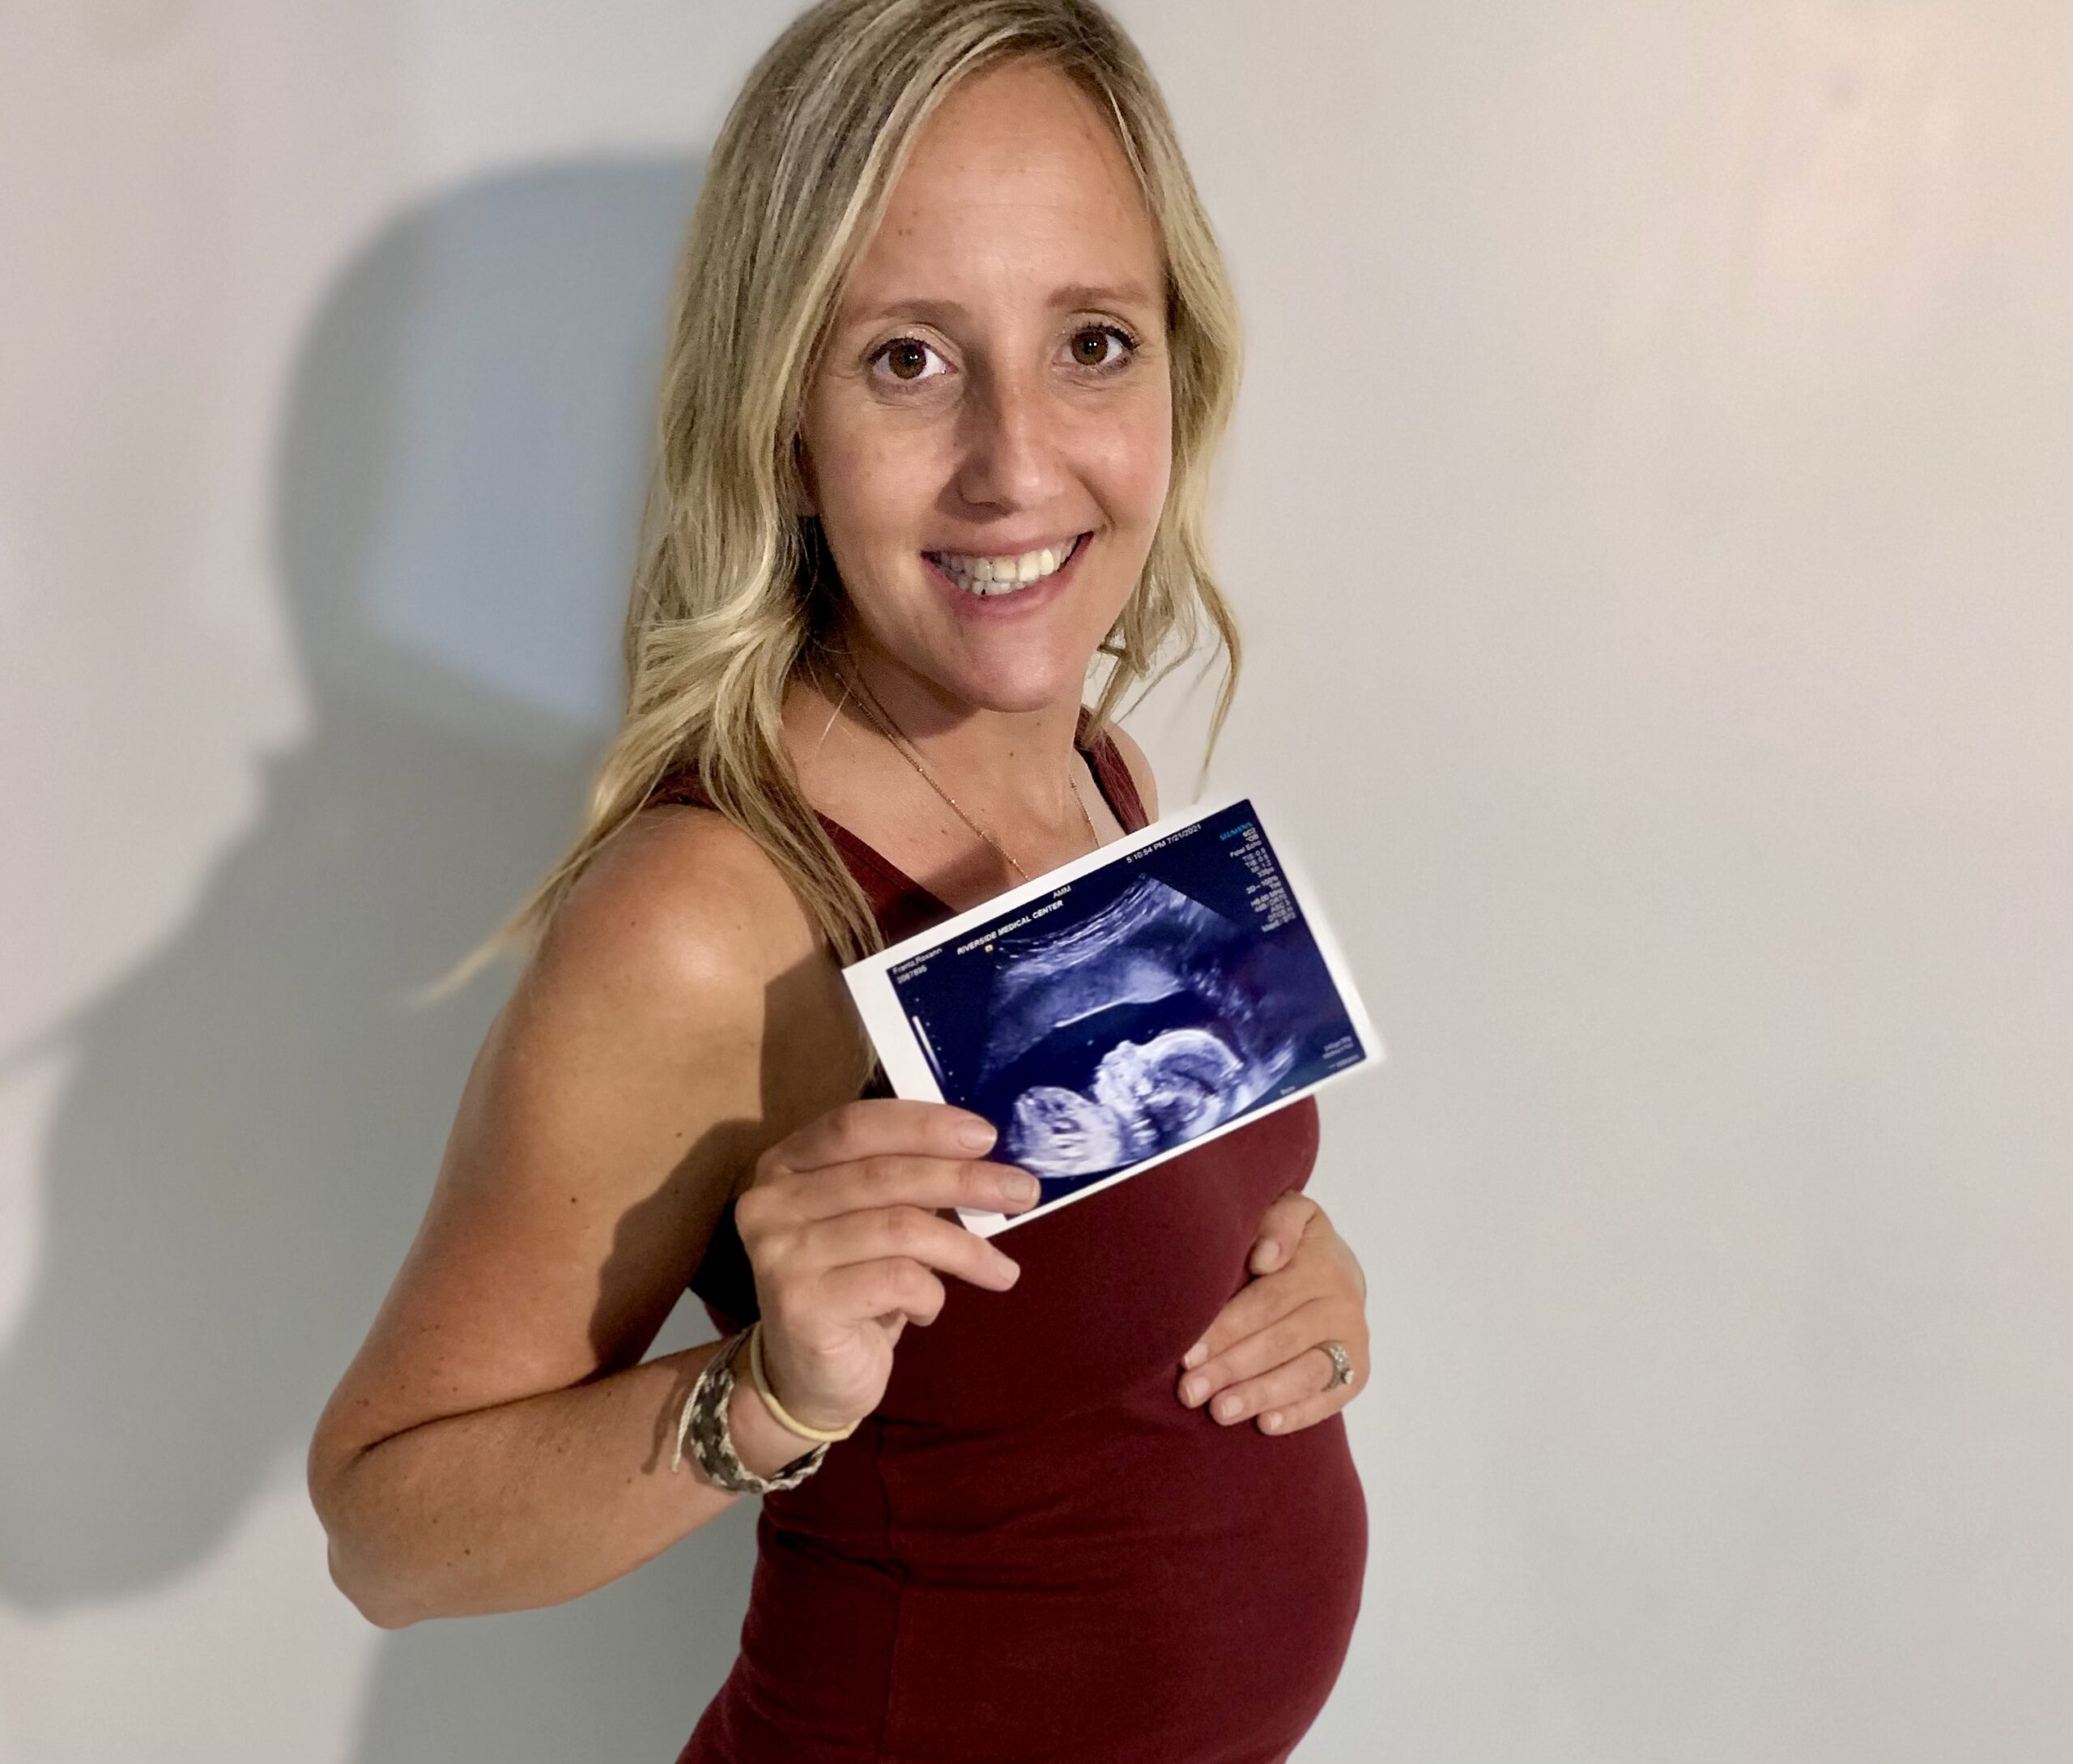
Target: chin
1011, 690
1008, 667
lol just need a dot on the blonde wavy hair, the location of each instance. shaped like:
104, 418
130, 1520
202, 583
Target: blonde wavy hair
733, 590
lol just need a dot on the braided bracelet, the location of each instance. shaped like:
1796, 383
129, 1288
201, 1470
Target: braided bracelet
704, 1420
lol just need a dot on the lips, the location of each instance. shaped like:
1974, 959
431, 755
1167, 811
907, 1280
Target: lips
993, 576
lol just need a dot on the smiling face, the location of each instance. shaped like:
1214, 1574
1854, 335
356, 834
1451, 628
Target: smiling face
988, 439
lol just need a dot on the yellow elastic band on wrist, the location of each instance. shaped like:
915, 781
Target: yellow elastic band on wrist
777, 1408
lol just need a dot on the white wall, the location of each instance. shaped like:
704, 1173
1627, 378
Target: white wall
1648, 511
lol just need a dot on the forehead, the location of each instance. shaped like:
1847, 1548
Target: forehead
1016, 177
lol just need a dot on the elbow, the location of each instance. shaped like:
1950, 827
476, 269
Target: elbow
352, 1563
383, 1598
378, 1604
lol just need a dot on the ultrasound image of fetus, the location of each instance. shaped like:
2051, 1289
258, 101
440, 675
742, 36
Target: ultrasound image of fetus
1060, 1132
1128, 1034
1145, 1096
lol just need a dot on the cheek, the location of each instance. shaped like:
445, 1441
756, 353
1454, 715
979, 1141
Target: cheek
860, 484
873, 497
857, 478
1138, 464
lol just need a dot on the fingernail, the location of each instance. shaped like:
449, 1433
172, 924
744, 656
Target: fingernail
1021, 1187
1228, 1408
1196, 1355
978, 1134
1193, 1390
1010, 1271
1272, 1424
1268, 1253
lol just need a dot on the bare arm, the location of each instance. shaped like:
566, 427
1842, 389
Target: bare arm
495, 1446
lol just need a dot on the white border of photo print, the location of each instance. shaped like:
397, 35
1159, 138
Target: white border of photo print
910, 1065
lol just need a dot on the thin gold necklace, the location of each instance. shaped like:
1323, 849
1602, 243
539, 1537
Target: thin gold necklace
882, 719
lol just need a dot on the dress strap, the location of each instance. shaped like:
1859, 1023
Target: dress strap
1113, 773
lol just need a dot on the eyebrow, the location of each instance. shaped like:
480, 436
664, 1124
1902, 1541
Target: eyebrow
1071, 295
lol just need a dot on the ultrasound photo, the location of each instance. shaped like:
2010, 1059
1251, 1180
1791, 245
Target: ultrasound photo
1111, 1014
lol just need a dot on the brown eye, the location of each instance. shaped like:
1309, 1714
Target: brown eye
1088, 347
909, 359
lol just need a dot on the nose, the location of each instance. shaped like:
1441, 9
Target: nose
1010, 455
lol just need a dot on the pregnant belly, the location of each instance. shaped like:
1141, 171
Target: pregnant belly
1140, 1585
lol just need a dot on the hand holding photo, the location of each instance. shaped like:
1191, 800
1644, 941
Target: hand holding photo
1126, 1006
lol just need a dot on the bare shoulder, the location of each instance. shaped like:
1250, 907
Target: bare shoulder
679, 1015
1140, 768
677, 897
680, 946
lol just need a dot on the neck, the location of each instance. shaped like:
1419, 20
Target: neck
1019, 765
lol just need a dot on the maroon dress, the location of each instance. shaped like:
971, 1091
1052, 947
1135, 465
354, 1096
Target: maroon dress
1033, 1551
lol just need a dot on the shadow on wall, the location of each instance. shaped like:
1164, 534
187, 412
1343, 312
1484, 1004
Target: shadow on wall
253, 1119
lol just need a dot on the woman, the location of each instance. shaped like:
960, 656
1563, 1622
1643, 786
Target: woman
951, 351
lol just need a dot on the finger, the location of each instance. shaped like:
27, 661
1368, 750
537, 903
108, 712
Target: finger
910, 1231
1255, 1307
1282, 1226
1293, 1418
1307, 1376
896, 1287
897, 1179
872, 1125
1304, 1326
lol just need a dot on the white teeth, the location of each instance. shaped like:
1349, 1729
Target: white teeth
1000, 575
